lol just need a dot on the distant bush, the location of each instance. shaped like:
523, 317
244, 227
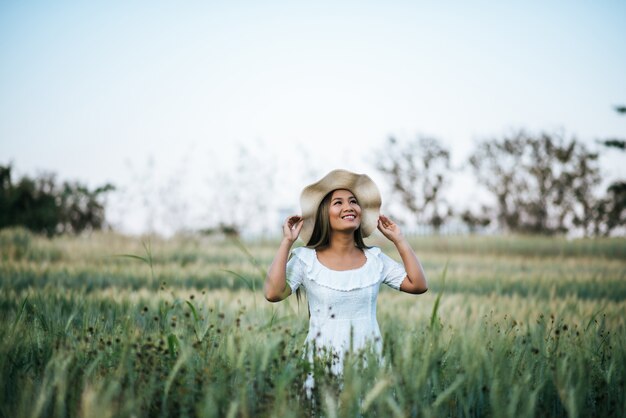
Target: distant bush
43, 206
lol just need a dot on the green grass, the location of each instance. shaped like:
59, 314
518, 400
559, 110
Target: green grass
525, 327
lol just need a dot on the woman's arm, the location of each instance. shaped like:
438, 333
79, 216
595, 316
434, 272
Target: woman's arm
276, 288
415, 280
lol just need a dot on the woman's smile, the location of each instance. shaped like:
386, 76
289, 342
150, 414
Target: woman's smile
344, 211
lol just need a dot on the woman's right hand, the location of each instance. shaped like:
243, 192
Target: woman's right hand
276, 287
292, 227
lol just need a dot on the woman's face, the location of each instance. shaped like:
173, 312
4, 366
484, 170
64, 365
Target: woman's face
344, 211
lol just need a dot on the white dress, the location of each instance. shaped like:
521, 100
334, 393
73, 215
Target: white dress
342, 303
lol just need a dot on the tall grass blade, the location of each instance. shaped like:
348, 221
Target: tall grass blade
19, 314
250, 257
374, 393
443, 396
433, 316
249, 283
196, 317
593, 317
148, 259
172, 344
170, 379
136, 257
243, 279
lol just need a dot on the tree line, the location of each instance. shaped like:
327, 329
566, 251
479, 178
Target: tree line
538, 184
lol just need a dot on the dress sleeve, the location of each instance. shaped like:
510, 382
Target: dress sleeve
296, 270
393, 272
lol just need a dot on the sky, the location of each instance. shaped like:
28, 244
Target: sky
162, 98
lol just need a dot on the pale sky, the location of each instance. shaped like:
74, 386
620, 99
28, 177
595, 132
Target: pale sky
101, 92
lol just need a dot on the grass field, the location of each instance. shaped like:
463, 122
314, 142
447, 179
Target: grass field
104, 326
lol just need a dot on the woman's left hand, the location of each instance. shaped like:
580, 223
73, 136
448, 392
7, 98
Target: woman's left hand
389, 228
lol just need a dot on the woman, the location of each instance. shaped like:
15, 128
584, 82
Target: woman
340, 274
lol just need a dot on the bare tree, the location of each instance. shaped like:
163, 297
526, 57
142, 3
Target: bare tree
417, 171
542, 184
496, 166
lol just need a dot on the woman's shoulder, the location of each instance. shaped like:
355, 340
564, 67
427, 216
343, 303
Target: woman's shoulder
302, 250
374, 251
378, 255
305, 254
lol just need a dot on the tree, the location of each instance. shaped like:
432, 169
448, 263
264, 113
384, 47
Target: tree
81, 208
417, 173
494, 164
611, 210
614, 143
43, 206
541, 184
474, 222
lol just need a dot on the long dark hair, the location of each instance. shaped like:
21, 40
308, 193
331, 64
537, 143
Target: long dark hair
320, 237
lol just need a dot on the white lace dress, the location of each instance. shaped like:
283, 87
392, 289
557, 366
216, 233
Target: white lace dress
343, 303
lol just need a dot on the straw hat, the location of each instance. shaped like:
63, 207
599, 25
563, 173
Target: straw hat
363, 188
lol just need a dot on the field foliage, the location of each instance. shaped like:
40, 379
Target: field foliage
108, 326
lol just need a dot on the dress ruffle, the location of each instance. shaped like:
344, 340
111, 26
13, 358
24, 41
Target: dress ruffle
343, 280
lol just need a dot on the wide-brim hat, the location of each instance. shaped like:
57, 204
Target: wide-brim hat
363, 188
